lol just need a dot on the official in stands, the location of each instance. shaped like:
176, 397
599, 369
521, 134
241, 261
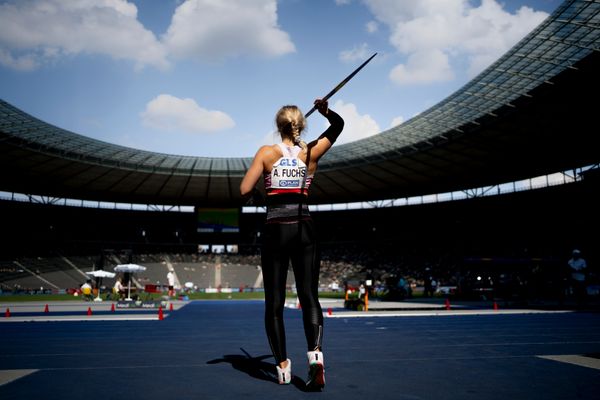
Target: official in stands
119, 289
171, 283
289, 234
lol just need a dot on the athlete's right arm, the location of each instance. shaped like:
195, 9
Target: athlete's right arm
253, 174
263, 160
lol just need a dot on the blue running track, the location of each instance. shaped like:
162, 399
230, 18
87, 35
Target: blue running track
218, 350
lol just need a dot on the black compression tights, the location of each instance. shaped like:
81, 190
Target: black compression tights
283, 243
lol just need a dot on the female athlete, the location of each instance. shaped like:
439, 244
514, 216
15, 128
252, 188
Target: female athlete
289, 234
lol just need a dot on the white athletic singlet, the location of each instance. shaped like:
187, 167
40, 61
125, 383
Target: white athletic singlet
288, 173
287, 177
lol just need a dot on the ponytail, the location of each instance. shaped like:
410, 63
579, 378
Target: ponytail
290, 123
296, 136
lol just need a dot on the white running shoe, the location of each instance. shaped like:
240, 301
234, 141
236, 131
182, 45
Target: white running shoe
316, 371
285, 374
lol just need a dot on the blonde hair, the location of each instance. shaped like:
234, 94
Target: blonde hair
290, 123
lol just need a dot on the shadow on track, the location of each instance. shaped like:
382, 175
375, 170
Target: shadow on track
257, 368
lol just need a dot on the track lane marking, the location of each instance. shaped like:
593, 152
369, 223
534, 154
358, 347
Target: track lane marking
11, 375
574, 359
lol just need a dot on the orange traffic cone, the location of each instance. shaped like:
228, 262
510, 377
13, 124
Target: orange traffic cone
7, 315
160, 314
447, 304
329, 311
170, 306
112, 307
46, 309
495, 306
89, 312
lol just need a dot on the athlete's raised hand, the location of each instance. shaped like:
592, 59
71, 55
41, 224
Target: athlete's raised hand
322, 106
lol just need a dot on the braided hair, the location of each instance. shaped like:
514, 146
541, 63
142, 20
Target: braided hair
290, 123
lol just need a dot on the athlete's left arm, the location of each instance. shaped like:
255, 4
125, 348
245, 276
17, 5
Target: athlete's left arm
324, 142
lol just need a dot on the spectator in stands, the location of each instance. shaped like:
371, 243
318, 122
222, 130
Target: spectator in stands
289, 234
86, 290
428, 283
578, 268
402, 287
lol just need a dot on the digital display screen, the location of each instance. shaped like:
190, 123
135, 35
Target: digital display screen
221, 220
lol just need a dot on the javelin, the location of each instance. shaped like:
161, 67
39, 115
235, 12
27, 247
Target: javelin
340, 85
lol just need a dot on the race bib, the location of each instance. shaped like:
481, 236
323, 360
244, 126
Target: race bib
288, 173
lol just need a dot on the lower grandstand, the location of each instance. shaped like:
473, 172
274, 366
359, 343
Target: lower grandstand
520, 243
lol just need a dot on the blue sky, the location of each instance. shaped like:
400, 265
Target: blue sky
205, 77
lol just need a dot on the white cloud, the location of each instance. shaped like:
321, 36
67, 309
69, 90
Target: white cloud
34, 32
21, 63
172, 114
423, 67
208, 30
342, 2
360, 52
399, 120
455, 28
356, 126
372, 26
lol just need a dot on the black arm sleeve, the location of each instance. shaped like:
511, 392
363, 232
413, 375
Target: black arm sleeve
334, 130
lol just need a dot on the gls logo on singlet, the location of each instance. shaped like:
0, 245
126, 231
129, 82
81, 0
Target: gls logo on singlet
288, 172
288, 162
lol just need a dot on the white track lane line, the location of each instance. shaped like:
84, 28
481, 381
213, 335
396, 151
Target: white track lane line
444, 313
10, 375
582, 361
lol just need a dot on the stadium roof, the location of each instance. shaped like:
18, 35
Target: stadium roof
532, 112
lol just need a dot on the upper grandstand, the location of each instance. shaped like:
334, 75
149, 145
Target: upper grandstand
523, 116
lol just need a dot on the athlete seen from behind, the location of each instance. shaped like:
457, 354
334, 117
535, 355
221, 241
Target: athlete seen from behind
289, 234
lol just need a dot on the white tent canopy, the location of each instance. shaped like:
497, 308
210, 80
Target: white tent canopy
129, 268
100, 273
